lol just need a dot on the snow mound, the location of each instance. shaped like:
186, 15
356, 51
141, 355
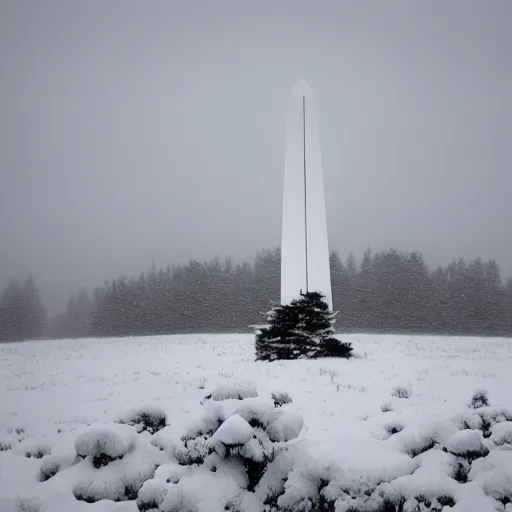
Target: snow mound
494, 474
37, 450
413, 442
145, 418
394, 427
25, 505
119, 481
235, 431
163, 442
54, 463
484, 418
205, 491
151, 495
105, 443
468, 444
233, 390
207, 424
258, 412
285, 426
502, 434
339, 470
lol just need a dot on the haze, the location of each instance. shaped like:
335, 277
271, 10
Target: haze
139, 131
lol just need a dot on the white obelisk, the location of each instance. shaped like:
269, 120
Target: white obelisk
304, 245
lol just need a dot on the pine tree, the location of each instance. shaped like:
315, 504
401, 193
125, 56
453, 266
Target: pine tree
35, 316
302, 329
12, 313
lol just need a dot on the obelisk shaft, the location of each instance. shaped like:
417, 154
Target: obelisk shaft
304, 244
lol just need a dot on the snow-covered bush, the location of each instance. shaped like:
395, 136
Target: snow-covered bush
401, 392
145, 418
467, 444
483, 419
414, 444
459, 470
281, 398
151, 495
53, 464
223, 456
394, 427
502, 434
232, 390
28, 505
37, 451
479, 399
302, 329
494, 474
105, 444
119, 481
387, 407
4, 446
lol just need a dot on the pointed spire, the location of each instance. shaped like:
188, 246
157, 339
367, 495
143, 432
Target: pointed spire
301, 88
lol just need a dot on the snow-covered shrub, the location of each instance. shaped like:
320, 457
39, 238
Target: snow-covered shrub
237, 390
401, 392
502, 434
37, 451
494, 475
116, 463
145, 418
415, 445
223, 457
281, 398
235, 438
479, 399
429, 488
311, 488
105, 444
119, 481
394, 427
254, 434
53, 464
163, 443
92, 491
151, 495
483, 419
387, 407
460, 469
49, 468
302, 329
28, 505
467, 444
4, 446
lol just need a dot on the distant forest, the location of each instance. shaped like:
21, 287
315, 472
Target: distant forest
389, 292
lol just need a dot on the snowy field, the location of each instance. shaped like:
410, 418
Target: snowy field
392, 429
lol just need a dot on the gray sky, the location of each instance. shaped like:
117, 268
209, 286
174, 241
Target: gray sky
139, 130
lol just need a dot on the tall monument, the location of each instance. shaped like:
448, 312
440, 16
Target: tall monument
304, 245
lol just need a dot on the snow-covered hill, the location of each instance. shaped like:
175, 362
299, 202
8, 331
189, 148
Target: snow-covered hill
393, 427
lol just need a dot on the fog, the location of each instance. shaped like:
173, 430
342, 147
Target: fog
133, 132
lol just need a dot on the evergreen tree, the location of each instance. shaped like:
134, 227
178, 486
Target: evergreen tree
302, 329
12, 313
34, 313
22, 316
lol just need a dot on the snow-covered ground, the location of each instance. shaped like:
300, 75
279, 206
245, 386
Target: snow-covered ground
391, 427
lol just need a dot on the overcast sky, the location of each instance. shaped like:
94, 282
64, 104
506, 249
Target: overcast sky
135, 130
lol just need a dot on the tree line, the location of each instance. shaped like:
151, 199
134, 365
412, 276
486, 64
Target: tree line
388, 292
